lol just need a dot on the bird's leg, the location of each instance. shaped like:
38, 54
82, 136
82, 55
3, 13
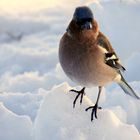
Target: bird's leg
95, 107
80, 93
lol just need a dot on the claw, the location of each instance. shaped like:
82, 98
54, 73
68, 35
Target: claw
74, 102
81, 92
72, 90
94, 111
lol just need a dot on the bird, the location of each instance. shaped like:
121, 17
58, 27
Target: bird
88, 58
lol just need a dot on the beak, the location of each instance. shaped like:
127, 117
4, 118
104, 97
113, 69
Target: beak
86, 26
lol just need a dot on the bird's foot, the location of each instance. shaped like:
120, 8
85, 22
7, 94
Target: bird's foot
80, 93
94, 111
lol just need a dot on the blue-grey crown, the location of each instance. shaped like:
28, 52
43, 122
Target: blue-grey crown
83, 12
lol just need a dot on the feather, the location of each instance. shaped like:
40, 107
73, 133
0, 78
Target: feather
111, 58
126, 88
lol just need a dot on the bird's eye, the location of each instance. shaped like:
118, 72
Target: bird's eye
83, 21
89, 19
80, 22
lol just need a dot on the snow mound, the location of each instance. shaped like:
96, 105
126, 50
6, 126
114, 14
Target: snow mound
26, 104
14, 127
58, 120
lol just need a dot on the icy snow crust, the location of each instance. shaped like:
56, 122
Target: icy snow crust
35, 105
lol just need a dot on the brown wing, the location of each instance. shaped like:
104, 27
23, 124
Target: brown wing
111, 58
104, 42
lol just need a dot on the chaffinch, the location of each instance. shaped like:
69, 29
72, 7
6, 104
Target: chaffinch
88, 58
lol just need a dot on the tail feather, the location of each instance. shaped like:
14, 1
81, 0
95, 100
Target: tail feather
126, 88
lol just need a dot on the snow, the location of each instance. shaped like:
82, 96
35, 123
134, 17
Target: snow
133, 68
74, 124
23, 104
129, 105
14, 127
35, 105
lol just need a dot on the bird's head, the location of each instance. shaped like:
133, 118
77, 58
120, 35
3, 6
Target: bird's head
83, 17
